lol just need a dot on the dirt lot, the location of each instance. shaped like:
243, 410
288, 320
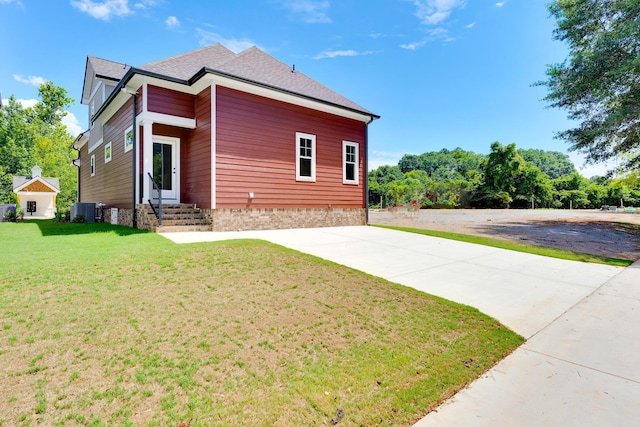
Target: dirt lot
611, 234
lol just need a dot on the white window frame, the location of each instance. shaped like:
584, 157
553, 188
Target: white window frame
92, 167
299, 136
108, 152
356, 163
129, 129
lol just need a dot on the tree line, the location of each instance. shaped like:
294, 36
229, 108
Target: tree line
505, 178
36, 135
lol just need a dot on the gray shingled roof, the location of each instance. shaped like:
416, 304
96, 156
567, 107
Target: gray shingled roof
21, 180
256, 65
108, 69
252, 64
185, 65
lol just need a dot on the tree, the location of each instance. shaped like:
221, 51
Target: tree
553, 163
36, 135
533, 185
599, 83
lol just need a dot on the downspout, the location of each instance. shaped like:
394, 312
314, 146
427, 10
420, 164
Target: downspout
78, 172
134, 100
134, 218
366, 172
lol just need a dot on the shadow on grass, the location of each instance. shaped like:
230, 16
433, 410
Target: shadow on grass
48, 227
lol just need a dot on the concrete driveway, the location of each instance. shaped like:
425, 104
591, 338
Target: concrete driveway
581, 363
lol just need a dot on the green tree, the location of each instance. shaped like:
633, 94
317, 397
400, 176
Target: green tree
378, 180
36, 135
554, 163
533, 185
599, 83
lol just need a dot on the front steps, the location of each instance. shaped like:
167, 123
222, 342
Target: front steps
179, 217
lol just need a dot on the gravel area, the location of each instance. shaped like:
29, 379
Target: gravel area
611, 234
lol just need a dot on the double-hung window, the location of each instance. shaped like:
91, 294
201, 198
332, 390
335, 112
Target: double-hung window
350, 162
92, 167
305, 157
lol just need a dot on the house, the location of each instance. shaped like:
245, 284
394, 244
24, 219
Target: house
243, 140
36, 194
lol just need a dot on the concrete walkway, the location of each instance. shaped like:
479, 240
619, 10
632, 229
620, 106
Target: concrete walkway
581, 363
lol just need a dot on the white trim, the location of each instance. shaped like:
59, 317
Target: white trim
356, 170
167, 119
96, 145
147, 161
31, 181
108, 147
145, 96
124, 139
92, 165
213, 146
176, 144
314, 155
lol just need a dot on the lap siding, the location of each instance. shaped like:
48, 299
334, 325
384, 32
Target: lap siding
256, 152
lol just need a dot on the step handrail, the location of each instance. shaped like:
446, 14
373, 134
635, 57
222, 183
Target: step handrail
155, 199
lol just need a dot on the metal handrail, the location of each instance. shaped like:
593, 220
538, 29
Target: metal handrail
155, 199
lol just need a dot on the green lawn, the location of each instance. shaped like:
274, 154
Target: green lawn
105, 325
517, 246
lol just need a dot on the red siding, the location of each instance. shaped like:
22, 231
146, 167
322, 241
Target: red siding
167, 101
195, 155
112, 181
256, 152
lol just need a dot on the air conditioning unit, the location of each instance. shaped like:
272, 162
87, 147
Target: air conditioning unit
87, 210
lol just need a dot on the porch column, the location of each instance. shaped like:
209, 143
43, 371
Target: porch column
147, 161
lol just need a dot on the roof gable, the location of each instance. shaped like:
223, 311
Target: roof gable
101, 68
36, 184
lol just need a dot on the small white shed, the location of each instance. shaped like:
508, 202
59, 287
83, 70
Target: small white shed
36, 194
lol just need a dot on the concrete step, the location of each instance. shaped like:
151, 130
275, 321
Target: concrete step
177, 228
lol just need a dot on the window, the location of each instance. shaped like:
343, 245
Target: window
305, 157
128, 139
92, 168
350, 163
107, 153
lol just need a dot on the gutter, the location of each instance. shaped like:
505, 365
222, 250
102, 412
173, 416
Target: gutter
203, 72
366, 168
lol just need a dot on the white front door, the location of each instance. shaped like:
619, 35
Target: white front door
166, 163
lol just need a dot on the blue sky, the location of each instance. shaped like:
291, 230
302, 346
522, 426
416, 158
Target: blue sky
441, 73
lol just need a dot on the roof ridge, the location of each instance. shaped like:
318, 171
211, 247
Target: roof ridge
191, 52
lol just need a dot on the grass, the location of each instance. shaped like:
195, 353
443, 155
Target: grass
105, 325
517, 246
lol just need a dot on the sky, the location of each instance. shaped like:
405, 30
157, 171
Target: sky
440, 73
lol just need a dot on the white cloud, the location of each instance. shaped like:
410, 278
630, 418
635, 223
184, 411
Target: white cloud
103, 10
501, 3
31, 80
382, 158
414, 45
311, 11
25, 103
72, 123
473, 24
233, 44
336, 53
432, 12
434, 34
172, 22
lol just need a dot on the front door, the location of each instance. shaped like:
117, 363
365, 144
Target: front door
165, 166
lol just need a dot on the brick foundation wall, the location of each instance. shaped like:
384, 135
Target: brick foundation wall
124, 218
279, 218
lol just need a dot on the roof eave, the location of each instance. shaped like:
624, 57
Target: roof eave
205, 70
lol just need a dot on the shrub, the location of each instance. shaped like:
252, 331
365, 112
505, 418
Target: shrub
79, 219
10, 216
